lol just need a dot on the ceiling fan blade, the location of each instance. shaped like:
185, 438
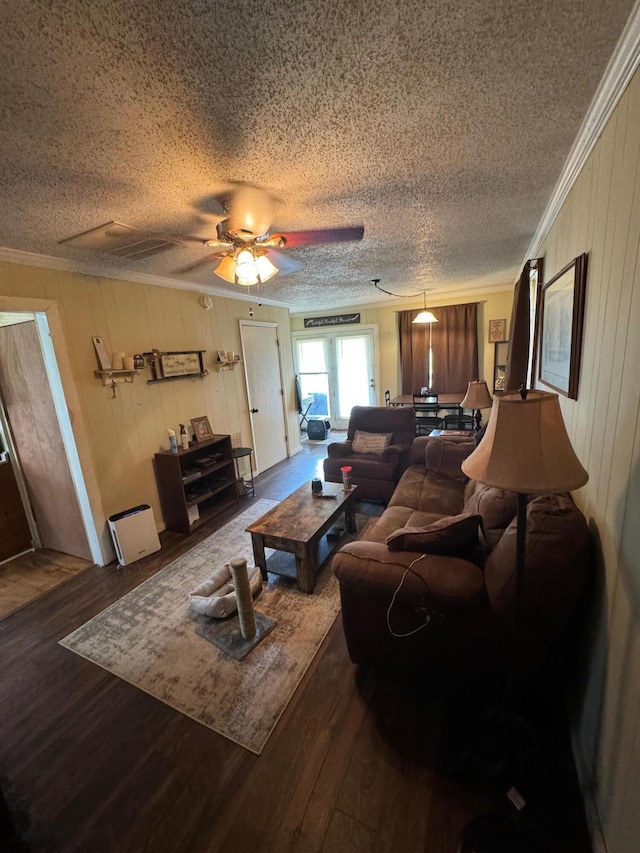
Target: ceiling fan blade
208, 259
294, 239
284, 263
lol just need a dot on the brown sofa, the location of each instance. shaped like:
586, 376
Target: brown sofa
467, 594
376, 475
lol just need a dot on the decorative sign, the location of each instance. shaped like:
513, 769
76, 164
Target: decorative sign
180, 363
335, 320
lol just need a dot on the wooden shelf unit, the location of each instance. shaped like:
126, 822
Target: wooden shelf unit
183, 484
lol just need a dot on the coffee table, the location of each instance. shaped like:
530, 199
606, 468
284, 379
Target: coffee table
298, 524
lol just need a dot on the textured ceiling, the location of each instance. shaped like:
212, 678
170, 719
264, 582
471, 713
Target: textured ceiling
440, 126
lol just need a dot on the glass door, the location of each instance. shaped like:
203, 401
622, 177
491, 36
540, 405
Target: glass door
355, 382
312, 360
337, 370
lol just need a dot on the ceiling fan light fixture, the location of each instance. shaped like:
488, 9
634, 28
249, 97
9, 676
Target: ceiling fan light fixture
246, 268
226, 269
266, 269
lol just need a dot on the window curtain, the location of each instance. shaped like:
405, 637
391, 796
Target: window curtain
455, 349
519, 334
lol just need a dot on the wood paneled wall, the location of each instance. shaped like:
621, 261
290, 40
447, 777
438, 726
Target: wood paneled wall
601, 216
124, 432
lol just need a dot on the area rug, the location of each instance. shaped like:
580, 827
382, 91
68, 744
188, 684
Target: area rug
147, 639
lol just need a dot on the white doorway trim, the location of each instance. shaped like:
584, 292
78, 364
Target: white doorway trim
68, 409
276, 326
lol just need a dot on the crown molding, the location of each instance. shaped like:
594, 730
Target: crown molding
619, 71
32, 259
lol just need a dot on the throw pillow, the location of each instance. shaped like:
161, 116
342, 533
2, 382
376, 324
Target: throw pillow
371, 442
454, 534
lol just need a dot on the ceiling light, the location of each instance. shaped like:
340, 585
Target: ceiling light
243, 267
246, 270
265, 268
425, 316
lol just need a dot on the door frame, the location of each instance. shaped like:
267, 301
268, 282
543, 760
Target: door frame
67, 406
329, 331
285, 424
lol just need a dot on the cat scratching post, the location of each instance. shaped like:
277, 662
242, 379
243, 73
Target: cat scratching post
224, 633
244, 598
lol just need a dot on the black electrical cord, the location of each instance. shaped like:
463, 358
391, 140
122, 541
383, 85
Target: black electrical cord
376, 284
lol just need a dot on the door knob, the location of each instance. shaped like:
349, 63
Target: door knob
254, 411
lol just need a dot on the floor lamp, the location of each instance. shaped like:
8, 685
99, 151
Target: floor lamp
526, 450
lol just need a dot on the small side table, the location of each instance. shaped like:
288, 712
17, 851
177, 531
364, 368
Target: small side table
240, 453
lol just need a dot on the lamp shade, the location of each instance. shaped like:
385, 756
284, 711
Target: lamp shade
526, 448
226, 269
425, 317
477, 396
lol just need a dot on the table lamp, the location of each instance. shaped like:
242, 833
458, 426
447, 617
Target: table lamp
477, 397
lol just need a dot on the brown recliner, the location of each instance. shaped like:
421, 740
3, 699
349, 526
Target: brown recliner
375, 475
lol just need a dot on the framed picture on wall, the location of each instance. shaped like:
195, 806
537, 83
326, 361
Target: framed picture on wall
497, 331
561, 319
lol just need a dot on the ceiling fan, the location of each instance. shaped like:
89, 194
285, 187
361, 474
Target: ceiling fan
247, 251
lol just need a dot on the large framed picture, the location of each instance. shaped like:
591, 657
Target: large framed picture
561, 319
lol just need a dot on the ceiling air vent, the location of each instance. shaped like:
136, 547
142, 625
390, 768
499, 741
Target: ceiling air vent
114, 238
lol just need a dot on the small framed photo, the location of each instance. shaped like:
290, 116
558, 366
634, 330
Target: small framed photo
561, 319
497, 331
222, 355
201, 428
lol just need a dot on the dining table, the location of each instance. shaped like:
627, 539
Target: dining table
446, 402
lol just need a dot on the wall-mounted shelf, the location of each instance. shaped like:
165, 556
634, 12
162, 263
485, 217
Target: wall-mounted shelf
226, 365
115, 377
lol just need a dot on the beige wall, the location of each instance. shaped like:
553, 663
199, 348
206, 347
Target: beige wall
123, 433
492, 306
601, 216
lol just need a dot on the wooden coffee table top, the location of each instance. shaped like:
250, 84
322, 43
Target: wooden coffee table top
300, 516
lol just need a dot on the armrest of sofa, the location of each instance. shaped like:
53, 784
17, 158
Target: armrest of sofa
447, 584
340, 449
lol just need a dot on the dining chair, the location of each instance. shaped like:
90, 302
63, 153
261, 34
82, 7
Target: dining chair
425, 410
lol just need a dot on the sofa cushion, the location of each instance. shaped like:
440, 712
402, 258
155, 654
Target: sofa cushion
497, 508
443, 456
555, 564
449, 584
428, 491
370, 442
450, 535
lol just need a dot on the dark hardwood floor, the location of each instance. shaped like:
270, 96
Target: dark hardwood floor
356, 763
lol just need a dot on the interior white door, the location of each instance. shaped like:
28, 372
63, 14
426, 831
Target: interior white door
261, 354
